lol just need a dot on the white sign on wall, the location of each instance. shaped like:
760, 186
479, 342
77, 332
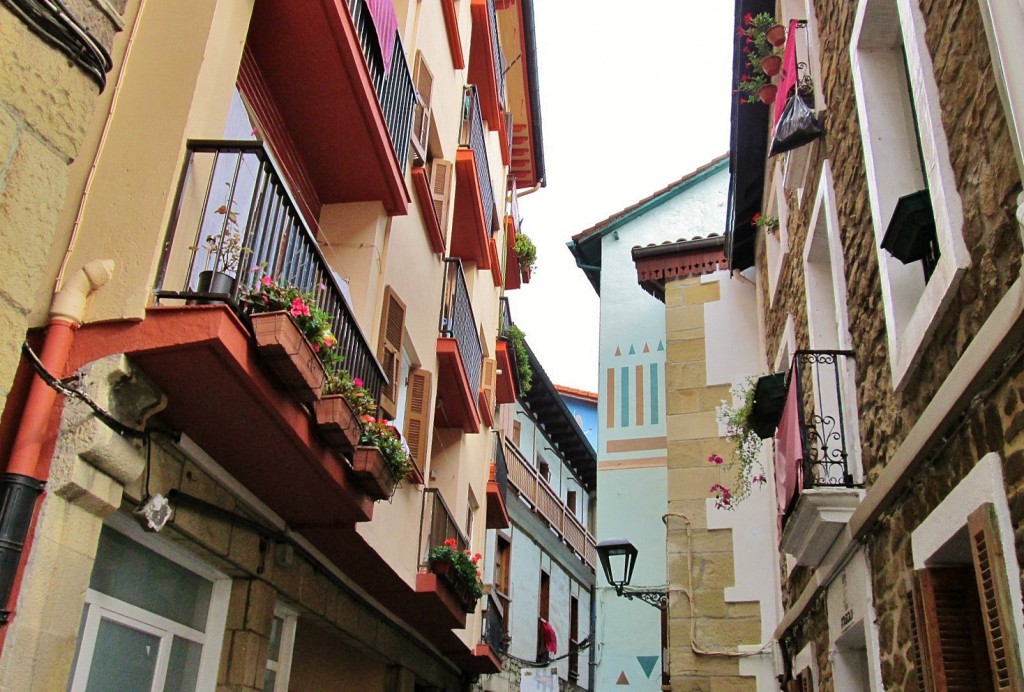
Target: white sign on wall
539, 680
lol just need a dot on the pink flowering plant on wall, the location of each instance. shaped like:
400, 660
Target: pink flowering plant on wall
746, 452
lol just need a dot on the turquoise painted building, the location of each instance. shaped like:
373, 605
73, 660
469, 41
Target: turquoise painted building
630, 417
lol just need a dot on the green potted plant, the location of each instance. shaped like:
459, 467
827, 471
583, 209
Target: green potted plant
526, 254
517, 338
380, 461
224, 252
769, 224
760, 51
757, 88
458, 569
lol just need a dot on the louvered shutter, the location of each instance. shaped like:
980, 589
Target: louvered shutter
489, 380
424, 82
996, 606
389, 350
417, 410
441, 174
918, 640
950, 625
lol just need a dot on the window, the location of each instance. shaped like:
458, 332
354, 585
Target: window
389, 350
544, 595
279, 656
574, 639
503, 565
545, 469
471, 508
517, 432
153, 618
906, 153
570, 501
777, 242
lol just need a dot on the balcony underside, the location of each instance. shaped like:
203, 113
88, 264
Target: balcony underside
497, 512
310, 56
815, 521
482, 69
457, 401
505, 386
229, 406
469, 228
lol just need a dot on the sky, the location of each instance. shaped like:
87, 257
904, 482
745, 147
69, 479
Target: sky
633, 97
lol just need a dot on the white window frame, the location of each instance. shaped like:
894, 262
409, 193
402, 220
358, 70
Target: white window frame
909, 329
1004, 26
777, 243
823, 234
283, 665
104, 607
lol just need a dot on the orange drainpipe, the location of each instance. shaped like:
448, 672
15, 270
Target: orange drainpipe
26, 470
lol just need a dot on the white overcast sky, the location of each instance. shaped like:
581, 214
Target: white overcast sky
634, 95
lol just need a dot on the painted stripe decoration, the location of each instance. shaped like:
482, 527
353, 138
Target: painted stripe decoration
639, 395
625, 397
610, 399
655, 389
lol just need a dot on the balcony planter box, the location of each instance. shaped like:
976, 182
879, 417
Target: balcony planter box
769, 399
286, 352
335, 423
372, 473
525, 273
446, 575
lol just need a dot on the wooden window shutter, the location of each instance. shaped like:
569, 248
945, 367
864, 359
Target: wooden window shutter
954, 651
392, 326
489, 380
442, 173
918, 640
996, 606
417, 409
423, 79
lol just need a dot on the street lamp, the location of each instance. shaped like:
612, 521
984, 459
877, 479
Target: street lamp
618, 558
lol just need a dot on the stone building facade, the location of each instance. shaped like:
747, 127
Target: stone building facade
915, 97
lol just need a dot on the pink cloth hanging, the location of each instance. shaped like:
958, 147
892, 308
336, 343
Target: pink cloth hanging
787, 80
788, 449
550, 640
385, 23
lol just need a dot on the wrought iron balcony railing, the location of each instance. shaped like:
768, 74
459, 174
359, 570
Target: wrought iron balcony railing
438, 525
532, 487
500, 68
494, 632
825, 417
472, 136
235, 222
457, 321
395, 91
500, 472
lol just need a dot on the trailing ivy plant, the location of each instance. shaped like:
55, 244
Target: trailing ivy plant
518, 339
746, 446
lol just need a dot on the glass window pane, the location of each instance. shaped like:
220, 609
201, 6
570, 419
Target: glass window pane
275, 639
78, 644
269, 681
183, 667
124, 659
135, 574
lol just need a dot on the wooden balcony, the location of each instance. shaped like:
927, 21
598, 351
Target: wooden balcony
528, 483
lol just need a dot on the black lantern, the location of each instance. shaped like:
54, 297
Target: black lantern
618, 557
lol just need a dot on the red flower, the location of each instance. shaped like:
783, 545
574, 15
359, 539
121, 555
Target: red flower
745, 78
740, 31
715, 459
748, 18
755, 218
450, 543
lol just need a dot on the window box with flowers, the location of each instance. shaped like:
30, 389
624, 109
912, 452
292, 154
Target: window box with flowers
380, 461
760, 33
344, 403
293, 336
459, 571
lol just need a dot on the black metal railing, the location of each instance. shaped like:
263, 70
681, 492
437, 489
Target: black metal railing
472, 136
824, 428
438, 525
493, 627
500, 465
504, 322
395, 91
457, 321
500, 68
234, 223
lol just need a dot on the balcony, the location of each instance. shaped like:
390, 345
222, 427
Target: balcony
827, 493
506, 388
459, 355
474, 214
532, 488
513, 222
436, 597
497, 487
487, 64
349, 117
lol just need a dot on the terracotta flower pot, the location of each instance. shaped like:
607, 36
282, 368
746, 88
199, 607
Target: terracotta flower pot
771, 65
767, 94
336, 424
372, 473
525, 273
284, 349
776, 35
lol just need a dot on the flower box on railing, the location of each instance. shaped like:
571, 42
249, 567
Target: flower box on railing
445, 572
372, 473
288, 354
336, 423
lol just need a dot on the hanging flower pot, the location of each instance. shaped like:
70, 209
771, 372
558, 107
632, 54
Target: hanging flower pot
771, 65
372, 473
336, 423
285, 350
767, 94
776, 35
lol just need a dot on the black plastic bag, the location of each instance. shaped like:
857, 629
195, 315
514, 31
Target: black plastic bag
796, 127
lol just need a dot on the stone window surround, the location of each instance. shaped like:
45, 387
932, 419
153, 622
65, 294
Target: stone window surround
825, 208
983, 484
869, 623
777, 243
907, 340
209, 666
283, 665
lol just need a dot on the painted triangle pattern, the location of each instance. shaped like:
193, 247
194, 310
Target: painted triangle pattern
647, 663
647, 347
632, 350
661, 346
623, 680
618, 351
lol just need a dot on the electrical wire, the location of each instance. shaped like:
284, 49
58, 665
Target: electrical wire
573, 650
